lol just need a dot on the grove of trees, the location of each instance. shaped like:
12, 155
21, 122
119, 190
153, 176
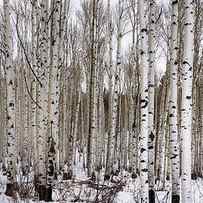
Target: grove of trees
118, 84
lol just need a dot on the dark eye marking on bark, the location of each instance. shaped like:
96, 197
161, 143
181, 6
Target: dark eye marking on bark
151, 136
144, 103
174, 2
10, 82
151, 147
185, 62
143, 30
144, 170
11, 104
174, 156
188, 97
142, 150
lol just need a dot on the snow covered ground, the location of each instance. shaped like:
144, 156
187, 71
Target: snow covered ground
66, 191
125, 196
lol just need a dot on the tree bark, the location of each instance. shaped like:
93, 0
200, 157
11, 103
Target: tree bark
186, 106
173, 120
144, 68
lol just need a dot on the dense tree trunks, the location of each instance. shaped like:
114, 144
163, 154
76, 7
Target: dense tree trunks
100, 122
197, 95
162, 130
76, 126
200, 104
89, 94
173, 122
62, 120
3, 125
144, 68
132, 134
186, 106
11, 104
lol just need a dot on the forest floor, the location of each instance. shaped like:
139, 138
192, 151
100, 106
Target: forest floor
125, 196
121, 189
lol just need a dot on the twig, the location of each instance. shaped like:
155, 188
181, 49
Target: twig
24, 51
28, 91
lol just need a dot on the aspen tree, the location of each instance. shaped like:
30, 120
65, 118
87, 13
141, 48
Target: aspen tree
11, 105
152, 38
173, 122
34, 85
144, 69
133, 115
115, 93
186, 105
54, 77
43, 71
110, 82
92, 92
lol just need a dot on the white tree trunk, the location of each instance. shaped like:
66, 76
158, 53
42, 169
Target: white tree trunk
144, 68
186, 106
11, 105
43, 65
173, 120
54, 89
152, 38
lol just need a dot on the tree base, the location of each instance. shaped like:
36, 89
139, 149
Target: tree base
175, 199
45, 193
107, 177
194, 176
151, 196
134, 175
68, 176
11, 190
93, 177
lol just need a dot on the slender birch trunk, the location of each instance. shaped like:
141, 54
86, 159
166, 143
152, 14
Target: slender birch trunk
152, 38
34, 107
11, 105
110, 66
173, 121
92, 92
186, 106
43, 65
144, 68
114, 96
54, 92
